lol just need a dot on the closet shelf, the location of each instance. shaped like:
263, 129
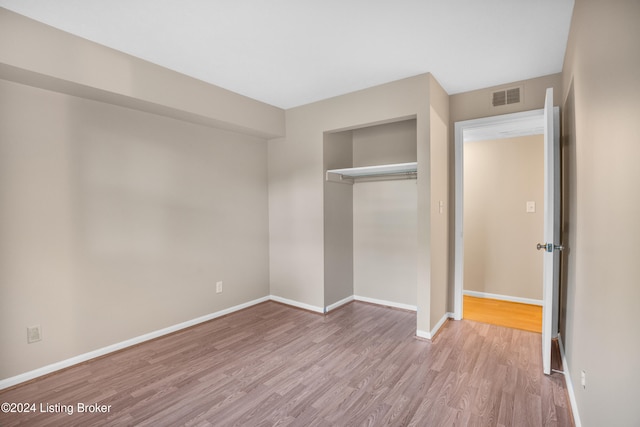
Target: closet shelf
394, 171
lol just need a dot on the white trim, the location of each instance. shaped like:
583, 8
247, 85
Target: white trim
436, 328
297, 304
11, 381
387, 303
569, 383
503, 297
344, 301
460, 127
27, 376
347, 175
337, 304
458, 256
423, 334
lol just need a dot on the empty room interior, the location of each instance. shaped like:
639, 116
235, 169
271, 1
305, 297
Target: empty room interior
261, 213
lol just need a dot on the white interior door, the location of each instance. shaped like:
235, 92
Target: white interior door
551, 245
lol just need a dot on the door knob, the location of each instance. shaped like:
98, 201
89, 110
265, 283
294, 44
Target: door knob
549, 247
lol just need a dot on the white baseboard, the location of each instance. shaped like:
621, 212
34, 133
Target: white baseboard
297, 304
11, 381
570, 389
27, 376
342, 302
337, 304
386, 303
436, 328
503, 297
423, 334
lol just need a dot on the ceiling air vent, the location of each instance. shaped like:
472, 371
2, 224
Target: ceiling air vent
506, 96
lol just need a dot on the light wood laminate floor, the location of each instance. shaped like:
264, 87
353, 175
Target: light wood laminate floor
276, 365
503, 313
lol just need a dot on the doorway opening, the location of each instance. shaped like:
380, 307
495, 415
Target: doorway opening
503, 132
503, 219
548, 119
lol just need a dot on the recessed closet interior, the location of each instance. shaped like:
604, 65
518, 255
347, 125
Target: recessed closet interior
370, 223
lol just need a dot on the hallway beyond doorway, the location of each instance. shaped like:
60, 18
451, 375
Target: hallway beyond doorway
503, 313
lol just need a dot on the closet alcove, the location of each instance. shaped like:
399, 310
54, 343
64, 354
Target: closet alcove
370, 214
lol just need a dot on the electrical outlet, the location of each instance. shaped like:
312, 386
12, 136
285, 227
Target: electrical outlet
218, 287
531, 207
34, 334
583, 379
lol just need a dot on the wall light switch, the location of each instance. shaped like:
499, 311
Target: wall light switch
531, 207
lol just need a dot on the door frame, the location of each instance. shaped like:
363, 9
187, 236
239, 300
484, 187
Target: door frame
509, 125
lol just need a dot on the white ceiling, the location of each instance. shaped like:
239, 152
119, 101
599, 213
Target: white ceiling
293, 52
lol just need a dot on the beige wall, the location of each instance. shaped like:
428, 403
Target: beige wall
385, 244
385, 216
385, 144
602, 133
296, 179
439, 232
500, 176
338, 220
38, 55
116, 223
296, 185
476, 104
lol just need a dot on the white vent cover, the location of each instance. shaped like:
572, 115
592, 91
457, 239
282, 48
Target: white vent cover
506, 96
